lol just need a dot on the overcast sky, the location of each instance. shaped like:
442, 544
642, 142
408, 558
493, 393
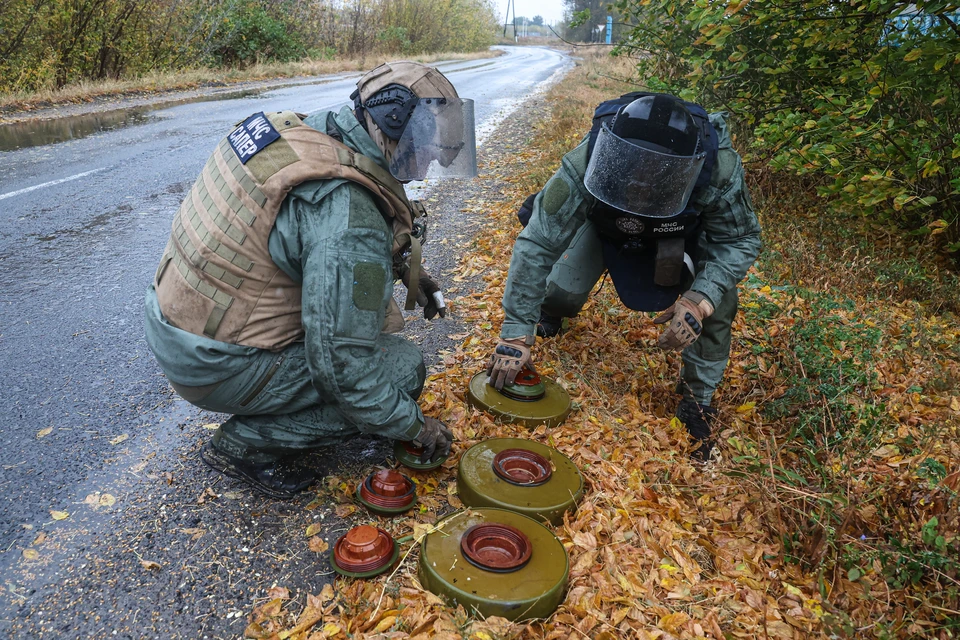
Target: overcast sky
551, 10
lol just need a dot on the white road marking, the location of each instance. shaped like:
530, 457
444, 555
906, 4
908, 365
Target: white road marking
51, 183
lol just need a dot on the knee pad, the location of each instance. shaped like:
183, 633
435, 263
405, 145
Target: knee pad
421, 379
561, 303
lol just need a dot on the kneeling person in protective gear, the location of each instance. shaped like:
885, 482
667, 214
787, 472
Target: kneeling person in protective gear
274, 297
655, 195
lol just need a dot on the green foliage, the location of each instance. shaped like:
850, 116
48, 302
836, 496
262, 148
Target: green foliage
249, 33
50, 43
394, 39
836, 428
580, 18
863, 97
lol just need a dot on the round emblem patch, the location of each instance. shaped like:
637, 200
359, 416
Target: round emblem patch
630, 225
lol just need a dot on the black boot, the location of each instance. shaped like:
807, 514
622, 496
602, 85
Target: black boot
697, 418
273, 479
549, 325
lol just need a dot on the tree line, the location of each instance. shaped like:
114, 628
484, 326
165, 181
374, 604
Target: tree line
51, 43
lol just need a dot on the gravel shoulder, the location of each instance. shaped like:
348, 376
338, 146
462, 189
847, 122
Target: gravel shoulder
183, 553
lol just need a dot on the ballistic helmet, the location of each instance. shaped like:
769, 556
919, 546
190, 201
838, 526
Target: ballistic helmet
415, 117
647, 159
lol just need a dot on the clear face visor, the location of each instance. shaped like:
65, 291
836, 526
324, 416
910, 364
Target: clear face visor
439, 141
640, 180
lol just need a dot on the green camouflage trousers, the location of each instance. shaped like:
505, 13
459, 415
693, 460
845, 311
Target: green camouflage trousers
278, 412
578, 270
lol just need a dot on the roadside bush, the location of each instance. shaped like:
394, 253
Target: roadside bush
861, 97
250, 33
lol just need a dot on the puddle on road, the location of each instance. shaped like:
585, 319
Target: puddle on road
36, 133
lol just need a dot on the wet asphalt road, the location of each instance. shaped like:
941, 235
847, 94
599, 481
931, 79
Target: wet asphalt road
89, 425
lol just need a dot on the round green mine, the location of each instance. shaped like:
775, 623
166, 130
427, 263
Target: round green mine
478, 485
533, 591
552, 409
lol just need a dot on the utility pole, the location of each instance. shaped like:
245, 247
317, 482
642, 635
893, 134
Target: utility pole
506, 19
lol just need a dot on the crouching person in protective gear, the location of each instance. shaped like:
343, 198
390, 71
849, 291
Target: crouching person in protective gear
655, 195
273, 301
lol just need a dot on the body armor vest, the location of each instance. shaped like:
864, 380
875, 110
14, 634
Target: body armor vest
216, 277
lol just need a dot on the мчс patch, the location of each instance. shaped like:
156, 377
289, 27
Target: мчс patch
252, 136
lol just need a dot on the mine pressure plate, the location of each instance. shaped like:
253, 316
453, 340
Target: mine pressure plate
531, 400
519, 475
387, 492
495, 563
363, 552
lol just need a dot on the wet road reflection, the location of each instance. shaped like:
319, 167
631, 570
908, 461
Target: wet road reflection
36, 133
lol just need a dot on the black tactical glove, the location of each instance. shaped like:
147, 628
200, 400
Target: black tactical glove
429, 295
435, 439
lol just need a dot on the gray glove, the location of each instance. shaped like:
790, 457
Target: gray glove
435, 439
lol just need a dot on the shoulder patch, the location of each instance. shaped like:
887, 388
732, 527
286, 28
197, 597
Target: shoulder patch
252, 136
369, 282
555, 195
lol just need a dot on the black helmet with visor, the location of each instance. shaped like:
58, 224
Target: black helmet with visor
647, 159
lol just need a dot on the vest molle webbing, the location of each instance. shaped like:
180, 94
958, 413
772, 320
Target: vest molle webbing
216, 277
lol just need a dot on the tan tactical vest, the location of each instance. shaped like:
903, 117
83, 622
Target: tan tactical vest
216, 277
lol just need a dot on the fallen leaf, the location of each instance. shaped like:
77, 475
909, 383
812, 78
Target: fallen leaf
385, 624
30, 554
40, 539
273, 608
107, 500
886, 451
421, 529
119, 439
318, 544
212, 426
672, 622
44, 432
150, 565
327, 593
59, 515
278, 592
585, 539
313, 529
